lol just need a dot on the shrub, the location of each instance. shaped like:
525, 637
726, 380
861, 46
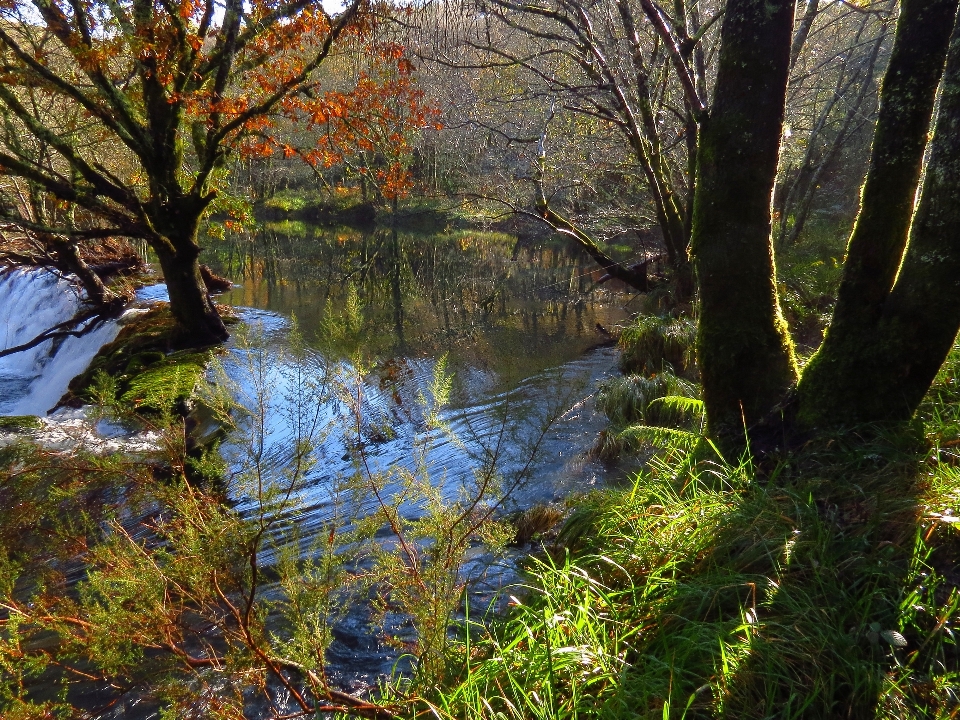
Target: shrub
653, 344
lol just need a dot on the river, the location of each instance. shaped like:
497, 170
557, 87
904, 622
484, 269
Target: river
522, 329
524, 334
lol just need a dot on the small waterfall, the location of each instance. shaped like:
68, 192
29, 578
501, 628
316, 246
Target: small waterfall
32, 301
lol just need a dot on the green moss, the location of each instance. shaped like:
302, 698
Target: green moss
19, 423
165, 384
139, 368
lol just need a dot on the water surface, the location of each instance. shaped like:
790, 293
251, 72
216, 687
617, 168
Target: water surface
524, 330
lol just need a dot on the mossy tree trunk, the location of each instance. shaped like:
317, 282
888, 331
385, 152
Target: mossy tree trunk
845, 381
745, 355
178, 251
898, 310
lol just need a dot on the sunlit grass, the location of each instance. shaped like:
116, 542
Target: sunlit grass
820, 585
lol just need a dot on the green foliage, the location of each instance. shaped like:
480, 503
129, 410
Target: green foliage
654, 344
675, 411
647, 412
186, 599
287, 201
340, 326
434, 526
809, 274
235, 209
632, 398
138, 370
822, 585
53, 507
19, 423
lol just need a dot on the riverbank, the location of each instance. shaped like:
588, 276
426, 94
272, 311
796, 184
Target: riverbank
351, 443
415, 214
344, 544
822, 583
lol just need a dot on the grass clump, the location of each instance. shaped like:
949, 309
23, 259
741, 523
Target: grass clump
634, 398
823, 585
654, 344
647, 411
19, 423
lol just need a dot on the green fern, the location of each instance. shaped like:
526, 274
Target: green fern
675, 411
661, 437
627, 399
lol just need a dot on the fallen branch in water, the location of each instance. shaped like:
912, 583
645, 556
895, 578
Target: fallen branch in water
62, 330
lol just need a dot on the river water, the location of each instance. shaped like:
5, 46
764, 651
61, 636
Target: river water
522, 329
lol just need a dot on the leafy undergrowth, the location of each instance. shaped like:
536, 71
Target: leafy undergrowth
826, 586
140, 369
808, 274
654, 344
657, 401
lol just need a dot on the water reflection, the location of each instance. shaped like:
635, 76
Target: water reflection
516, 323
498, 309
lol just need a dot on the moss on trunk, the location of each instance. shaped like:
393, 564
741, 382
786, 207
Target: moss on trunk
886, 341
199, 323
880, 370
745, 355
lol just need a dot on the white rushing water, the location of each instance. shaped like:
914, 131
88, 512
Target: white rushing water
32, 301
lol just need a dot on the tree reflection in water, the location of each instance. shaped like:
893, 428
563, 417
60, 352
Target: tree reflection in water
497, 308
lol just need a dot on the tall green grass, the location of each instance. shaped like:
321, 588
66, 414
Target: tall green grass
821, 586
654, 344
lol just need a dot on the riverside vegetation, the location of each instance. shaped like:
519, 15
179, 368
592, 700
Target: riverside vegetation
706, 586
819, 582
788, 550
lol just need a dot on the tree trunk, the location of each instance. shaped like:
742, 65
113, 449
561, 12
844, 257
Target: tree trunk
69, 256
857, 374
877, 367
810, 12
745, 355
198, 322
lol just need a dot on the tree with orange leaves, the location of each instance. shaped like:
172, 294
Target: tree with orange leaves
168, 90
368, 129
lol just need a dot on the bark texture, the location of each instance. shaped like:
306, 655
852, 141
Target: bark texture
69, 255
906, 107
745, 355
881, 342
879, 369
176, 246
